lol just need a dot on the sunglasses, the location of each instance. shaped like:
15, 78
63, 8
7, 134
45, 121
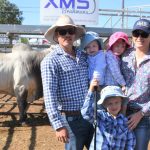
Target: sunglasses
138, 33
63, 32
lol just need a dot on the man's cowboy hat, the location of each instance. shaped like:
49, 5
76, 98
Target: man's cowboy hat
63, 21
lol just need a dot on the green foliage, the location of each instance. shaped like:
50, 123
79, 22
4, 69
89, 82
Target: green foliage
10, 13
24, 40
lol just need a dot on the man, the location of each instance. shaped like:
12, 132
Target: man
65, 84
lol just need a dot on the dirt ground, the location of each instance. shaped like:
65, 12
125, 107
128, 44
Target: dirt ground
36, 135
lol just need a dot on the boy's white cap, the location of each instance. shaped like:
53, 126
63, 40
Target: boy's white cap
110, 91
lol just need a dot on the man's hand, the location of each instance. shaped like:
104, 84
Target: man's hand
62, 135
134, 119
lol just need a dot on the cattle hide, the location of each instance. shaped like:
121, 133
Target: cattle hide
20, 76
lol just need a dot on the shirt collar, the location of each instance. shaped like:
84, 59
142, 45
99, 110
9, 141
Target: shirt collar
60, 51
147, 56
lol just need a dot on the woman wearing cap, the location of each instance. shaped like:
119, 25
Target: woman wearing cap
136, 70
118, 43
92, 44
112, 130
65, 83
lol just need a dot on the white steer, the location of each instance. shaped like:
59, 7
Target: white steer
20, 76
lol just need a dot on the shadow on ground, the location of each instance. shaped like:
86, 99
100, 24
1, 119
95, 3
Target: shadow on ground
32, 120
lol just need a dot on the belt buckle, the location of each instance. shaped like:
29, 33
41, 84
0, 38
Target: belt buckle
69, 118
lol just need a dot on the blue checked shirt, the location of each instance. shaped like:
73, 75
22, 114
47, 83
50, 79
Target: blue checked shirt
113, 75
111, 134
65, 83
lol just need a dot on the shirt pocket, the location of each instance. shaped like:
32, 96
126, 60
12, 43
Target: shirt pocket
67, 68
67, 72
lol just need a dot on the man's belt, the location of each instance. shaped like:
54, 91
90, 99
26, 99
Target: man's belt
70, 113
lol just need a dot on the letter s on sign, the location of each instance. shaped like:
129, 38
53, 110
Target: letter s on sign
85, 2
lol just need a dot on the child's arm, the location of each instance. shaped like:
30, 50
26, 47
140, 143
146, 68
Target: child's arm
94, 83
114, 67
100, 66
87, 110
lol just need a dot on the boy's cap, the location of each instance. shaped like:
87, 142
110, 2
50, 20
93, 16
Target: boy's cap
115, 37
142, 24
88, 38
110, 91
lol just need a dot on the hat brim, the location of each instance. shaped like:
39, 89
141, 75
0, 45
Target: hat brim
102, 100
49, 34
128, 44
143, 29
83, 46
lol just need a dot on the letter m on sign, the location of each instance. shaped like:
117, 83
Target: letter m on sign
67, 5
51, 2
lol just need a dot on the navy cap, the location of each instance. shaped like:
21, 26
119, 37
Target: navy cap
142, 24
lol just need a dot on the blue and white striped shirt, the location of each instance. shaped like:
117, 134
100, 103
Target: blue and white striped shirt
111, 133
65, 83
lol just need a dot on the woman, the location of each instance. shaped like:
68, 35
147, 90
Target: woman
135, 68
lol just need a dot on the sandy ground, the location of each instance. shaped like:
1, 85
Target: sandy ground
36, 135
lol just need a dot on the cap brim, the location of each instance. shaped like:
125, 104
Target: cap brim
141, 29
101, 101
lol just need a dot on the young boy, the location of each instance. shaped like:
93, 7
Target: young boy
112, 132
92, 44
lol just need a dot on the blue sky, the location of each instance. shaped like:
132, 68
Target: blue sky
31, 10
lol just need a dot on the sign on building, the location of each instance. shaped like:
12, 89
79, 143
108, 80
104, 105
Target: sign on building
83, 12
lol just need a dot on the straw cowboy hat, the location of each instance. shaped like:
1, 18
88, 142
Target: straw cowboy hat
63, 21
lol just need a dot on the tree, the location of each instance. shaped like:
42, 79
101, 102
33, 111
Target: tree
24, 40
10, 13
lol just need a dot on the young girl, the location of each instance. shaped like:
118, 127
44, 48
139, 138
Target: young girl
112, 131
92, 44
118, 43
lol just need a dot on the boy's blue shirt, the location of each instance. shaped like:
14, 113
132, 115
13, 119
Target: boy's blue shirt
111, 132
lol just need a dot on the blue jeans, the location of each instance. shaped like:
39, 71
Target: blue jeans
80, 133
142, 133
